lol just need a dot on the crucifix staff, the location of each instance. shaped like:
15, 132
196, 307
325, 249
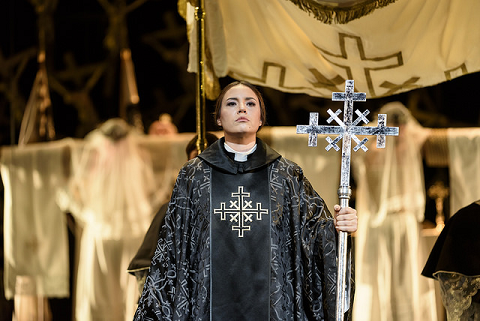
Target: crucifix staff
346, 129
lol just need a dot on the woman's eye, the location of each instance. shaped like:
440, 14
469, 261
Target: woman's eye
231, 103
251, 104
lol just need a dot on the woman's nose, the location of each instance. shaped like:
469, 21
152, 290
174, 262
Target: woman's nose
242, 108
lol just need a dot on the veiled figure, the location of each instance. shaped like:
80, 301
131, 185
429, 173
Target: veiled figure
391, 202
111, 194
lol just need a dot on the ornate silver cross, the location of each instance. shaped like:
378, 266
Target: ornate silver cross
346, 129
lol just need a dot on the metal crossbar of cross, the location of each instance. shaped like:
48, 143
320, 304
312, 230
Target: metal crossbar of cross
348, 130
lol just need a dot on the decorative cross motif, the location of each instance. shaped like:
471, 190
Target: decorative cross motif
241, 211
355, 60
346, 129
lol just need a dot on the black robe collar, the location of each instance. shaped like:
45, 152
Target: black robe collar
216, 156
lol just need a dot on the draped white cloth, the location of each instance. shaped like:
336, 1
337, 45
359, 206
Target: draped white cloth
35, 228
111, 195
464, 166
390, 201
402, 46
35, 179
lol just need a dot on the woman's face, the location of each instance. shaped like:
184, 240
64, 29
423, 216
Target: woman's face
240, 112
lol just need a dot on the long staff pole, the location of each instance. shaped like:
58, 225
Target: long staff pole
200, 77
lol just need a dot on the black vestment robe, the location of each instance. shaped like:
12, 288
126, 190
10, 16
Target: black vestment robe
140, 263
303, 242
143, 257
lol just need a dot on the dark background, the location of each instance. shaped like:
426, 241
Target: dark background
76, 31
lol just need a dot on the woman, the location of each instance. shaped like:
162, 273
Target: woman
246, 237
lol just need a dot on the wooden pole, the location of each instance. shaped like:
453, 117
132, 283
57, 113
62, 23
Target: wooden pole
200, 77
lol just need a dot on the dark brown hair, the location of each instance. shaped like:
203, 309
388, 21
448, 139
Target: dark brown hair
218, 104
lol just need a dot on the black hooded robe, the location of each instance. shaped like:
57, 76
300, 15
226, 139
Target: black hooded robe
295, 280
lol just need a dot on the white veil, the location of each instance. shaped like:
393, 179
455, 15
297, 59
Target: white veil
113, 184
390, 201
111, 194
391, 179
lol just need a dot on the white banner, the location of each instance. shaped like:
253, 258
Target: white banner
396, 48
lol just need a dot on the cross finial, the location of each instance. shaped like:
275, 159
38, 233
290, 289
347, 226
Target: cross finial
347, 127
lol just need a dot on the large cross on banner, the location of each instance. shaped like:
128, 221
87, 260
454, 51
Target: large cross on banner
346, 129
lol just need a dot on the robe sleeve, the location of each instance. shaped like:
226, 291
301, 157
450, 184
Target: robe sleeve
164, 295
319, 254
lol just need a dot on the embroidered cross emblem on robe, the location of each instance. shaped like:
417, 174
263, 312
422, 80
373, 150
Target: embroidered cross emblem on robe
241, 211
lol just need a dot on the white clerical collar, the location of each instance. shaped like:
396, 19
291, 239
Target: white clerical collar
240, 156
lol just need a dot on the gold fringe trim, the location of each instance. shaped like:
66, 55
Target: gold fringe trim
337, 14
